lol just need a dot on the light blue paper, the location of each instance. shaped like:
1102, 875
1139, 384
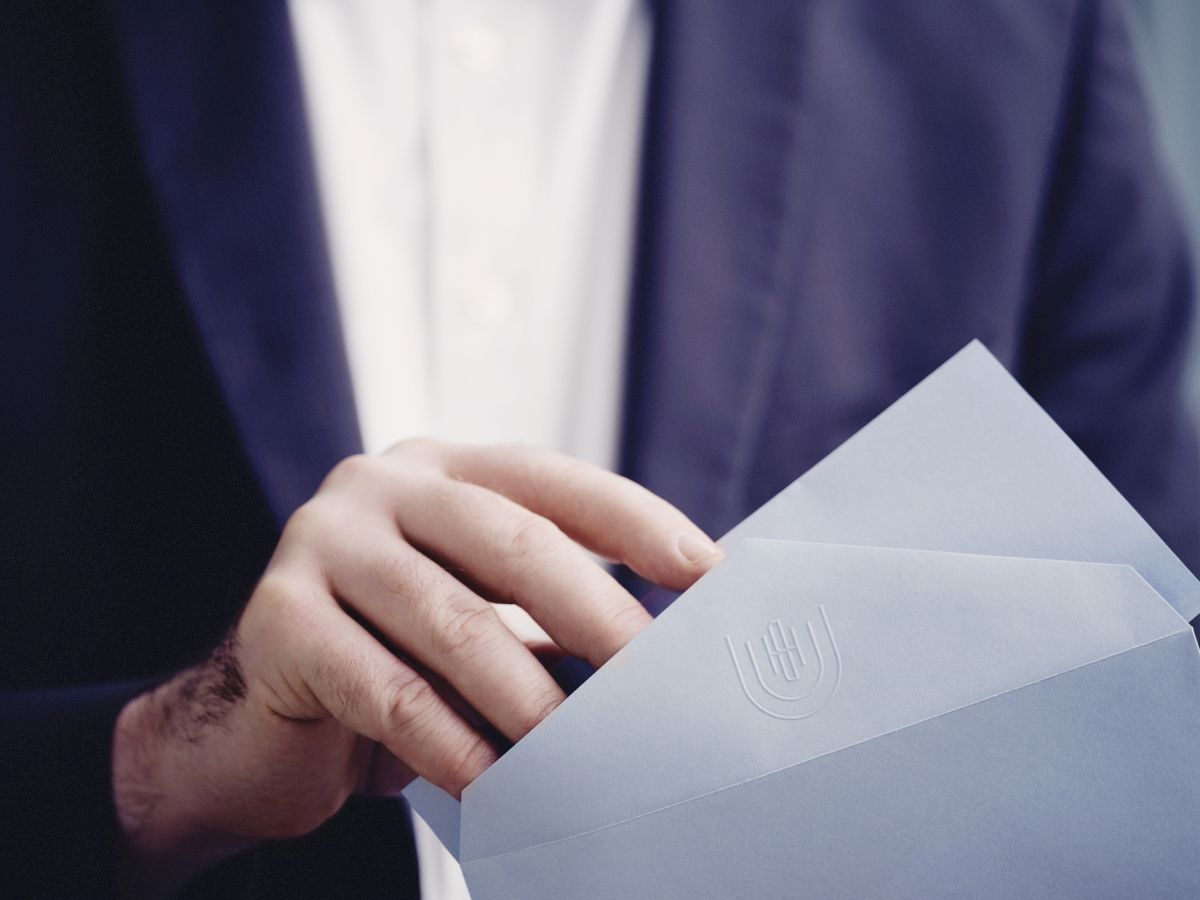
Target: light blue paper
967, 461
815, 718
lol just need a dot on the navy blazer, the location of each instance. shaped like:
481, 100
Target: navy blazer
835, 197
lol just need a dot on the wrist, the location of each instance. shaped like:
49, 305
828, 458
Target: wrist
163, 794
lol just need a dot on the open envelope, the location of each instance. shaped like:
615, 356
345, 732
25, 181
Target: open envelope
948, 661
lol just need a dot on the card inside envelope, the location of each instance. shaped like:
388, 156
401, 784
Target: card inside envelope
958, 665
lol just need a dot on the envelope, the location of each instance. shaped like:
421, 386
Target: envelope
948, 661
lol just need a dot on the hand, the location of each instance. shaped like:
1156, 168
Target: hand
382, 643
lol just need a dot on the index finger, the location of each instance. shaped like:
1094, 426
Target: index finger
607, 513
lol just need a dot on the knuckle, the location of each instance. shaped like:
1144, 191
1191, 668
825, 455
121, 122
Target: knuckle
530, 538
469, 627
399, 574
540, 706
309, 523
465, 763
351, 470
420, 449
278, 594
274, 590
279, 611
349, 681
627, 620
408, 702
445, 494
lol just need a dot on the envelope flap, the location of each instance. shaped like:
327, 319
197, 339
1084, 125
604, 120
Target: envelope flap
967, 461
790, 651
441, 812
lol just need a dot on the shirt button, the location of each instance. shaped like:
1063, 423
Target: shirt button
476, 48
491, 303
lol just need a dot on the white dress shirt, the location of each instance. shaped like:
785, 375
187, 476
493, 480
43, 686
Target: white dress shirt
477, 163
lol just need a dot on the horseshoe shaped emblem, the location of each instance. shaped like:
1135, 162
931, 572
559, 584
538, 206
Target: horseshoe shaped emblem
790, 672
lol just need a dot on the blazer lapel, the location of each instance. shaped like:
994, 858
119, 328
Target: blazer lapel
727, 167
218, 106
727, 164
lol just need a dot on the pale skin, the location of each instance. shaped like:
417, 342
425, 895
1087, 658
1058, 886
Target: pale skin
398, 630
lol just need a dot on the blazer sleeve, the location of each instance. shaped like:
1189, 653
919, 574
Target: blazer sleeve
1108, 324
59, 827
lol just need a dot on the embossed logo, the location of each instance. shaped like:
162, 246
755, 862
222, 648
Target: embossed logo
796, 677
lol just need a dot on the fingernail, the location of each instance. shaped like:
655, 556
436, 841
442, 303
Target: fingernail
696, 548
